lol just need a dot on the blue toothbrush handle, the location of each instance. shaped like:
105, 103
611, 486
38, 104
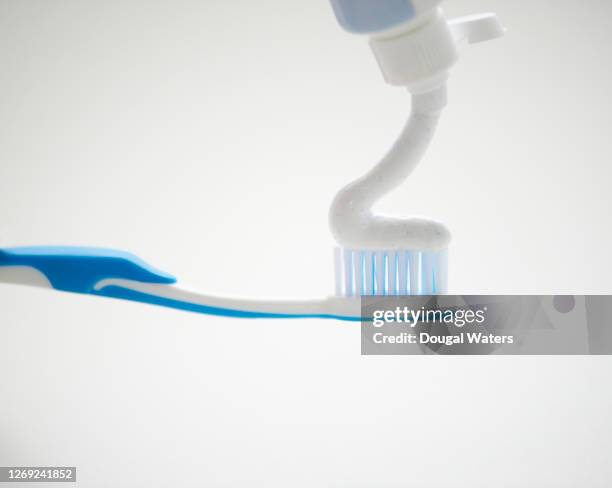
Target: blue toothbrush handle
118, 274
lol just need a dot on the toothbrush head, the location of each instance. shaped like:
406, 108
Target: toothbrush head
390, 272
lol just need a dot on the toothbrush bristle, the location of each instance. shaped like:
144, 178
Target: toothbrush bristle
397, 272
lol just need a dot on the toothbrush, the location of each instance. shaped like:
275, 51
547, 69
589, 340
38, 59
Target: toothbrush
415, 47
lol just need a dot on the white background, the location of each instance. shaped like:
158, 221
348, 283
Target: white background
209, 137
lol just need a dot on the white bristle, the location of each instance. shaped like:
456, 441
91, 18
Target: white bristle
426, 273
414, 265
369, 269
358, 272
348, 273
380, 273
402, 266
338, 271
441, 272
401, 272
392, 273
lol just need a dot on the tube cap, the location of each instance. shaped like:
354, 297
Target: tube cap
420, 57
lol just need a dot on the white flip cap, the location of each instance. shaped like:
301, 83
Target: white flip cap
476, 28
420, 56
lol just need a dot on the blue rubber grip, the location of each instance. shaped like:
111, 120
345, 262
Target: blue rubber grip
370, 16
78, 269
